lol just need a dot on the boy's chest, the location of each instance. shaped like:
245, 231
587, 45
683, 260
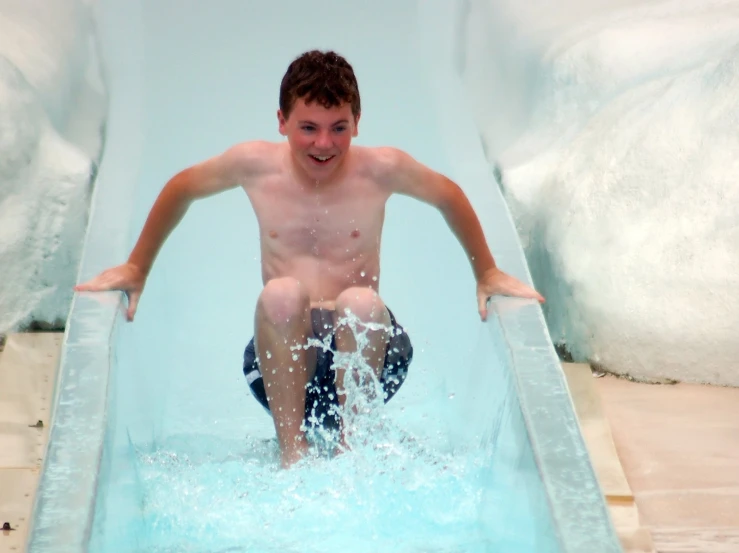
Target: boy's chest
319, 225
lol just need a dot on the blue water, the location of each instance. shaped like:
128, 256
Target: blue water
411, 483
189, 460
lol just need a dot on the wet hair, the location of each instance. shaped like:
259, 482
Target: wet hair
323, 77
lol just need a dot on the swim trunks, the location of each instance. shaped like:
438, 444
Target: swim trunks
321, 398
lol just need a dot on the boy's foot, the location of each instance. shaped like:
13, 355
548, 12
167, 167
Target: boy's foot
290, 456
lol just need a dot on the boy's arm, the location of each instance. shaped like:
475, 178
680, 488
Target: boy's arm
217, 174
232, 168
404, 175
407, 176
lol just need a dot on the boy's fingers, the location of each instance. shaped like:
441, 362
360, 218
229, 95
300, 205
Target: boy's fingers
133, 303
482, 306
525, 291
102, 283
88, 287
533, 294
98, 284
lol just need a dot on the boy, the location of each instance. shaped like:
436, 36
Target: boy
320, 205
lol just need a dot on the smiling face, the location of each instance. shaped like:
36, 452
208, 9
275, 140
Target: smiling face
319, 137
319, 112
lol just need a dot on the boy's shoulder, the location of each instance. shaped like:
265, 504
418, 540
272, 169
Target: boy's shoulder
253, 157
256, 149
388, 166
380, 160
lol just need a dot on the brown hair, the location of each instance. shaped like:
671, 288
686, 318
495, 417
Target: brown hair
325, 77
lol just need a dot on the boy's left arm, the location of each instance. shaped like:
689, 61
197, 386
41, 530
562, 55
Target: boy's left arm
404, 175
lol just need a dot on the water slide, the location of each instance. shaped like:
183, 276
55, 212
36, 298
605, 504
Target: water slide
157, 444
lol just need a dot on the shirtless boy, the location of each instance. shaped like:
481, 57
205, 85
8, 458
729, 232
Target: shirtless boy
320, 205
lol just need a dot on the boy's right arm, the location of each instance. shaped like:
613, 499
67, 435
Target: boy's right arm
228, 170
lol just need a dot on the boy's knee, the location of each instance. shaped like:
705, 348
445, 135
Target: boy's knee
283, 299
363, 303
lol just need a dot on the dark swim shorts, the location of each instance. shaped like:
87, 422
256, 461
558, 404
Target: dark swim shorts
321, 398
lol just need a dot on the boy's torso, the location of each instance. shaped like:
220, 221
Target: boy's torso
325, 236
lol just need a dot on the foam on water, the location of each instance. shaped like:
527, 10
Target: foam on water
392, 495
390, 490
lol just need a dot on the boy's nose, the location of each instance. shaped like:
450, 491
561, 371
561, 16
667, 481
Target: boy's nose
323, 140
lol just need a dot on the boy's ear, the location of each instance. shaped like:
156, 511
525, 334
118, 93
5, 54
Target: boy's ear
282, 123
356, 125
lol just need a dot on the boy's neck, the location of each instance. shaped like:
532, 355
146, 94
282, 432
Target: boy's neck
311, 182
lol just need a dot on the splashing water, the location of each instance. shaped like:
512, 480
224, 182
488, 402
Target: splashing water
400, 498
363, 415
388, 491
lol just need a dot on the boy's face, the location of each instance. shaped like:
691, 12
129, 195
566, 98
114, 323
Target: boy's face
319, 137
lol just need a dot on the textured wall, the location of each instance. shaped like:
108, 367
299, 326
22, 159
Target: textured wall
51, 115
613, 127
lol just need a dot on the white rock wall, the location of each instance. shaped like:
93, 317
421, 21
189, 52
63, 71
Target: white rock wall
52, 106
614, 126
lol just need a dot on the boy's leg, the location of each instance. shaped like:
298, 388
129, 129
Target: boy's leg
282, 322
366, 305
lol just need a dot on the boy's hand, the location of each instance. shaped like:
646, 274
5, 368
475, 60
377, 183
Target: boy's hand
497, 283
127, 277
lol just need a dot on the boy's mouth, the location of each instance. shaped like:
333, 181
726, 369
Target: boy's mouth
321, 160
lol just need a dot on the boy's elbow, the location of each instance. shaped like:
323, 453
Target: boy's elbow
181, 188
450, 198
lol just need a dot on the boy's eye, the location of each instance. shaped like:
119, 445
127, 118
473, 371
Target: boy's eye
307, 127
340, 129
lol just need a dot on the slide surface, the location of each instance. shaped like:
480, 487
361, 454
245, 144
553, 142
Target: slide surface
157, 443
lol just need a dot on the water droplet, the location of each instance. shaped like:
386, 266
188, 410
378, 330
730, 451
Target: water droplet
295, 356
274, 371
291, 369
269, 354
451, 396
374, 278
362, 274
